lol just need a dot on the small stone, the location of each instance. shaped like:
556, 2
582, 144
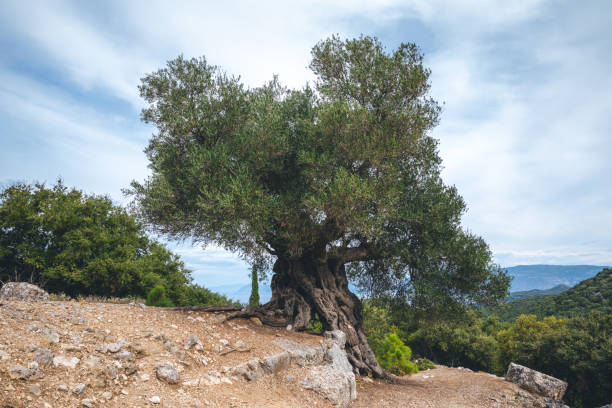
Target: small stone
124, 392
166, 372
20, 372
89, 403
289, 327
191, 341
33, 328
79, 389
125, 355
43, 357
65, 361
113, 347
240, 345
51, 336
34, 389
145, 377
33, 365
131, 369
107, 395
225, 342
62, 387
155, 399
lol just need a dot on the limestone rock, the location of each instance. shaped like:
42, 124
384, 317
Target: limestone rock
43, 357
79, 389
34, 389
336, 380
166, 372
191, 341
275, 363
536, 381
125, 355
338, 387
20, 372
88, 403
113, 347
250, 371
23, 291
65, 361
336, 336
302, 354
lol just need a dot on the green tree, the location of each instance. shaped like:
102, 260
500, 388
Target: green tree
318, 179
67, 241
254, 298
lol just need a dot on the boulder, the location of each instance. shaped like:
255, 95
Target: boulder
302, 354
335, 380
536, 382
23, 291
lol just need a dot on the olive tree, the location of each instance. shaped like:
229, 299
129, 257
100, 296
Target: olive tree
344, 174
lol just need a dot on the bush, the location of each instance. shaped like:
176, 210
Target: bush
425, 364
157, 297
192, 295
394, 356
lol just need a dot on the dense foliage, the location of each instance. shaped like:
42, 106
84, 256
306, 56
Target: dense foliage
348, 165
66, 241
591, 294
395, 356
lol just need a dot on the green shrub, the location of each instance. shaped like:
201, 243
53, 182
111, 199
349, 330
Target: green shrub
425, 364
157, 297
193, 294
394, 356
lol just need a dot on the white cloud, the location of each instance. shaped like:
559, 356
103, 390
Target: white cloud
524, 132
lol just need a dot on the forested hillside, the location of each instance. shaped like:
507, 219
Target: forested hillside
536, 292
589, 295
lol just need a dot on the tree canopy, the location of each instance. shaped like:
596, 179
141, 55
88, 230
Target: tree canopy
67, 241
344, 172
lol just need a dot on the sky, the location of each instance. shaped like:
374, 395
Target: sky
525, 88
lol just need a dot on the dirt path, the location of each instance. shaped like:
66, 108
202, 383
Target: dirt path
441, 388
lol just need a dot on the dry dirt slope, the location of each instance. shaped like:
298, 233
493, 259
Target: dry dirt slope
70, 354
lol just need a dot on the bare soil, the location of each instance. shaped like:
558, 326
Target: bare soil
85, 328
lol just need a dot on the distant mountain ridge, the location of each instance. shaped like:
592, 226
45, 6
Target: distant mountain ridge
591, 294
529, 277
242, 292
536, 292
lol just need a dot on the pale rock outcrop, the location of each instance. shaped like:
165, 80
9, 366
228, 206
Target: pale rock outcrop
335, 380
23, 291
536, 381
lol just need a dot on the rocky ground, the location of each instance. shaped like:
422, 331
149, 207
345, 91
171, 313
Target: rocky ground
81, 354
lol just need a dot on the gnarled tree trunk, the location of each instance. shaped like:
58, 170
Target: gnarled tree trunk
305, 286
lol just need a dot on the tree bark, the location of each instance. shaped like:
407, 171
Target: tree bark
308, 285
